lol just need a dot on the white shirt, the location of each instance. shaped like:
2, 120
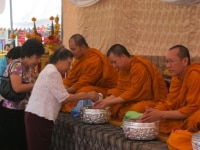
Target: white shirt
48, 93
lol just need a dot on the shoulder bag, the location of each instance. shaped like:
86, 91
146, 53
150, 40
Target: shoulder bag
7, 91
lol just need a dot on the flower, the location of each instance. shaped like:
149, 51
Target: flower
51, 18
52, 26
12, 35
34, 34
33, 19
53, 41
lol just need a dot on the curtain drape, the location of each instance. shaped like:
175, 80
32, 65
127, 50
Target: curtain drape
181, 2
145, 27
83, 3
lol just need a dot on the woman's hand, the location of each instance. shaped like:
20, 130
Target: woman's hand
93, 95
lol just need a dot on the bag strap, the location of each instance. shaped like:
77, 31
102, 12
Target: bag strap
10, 67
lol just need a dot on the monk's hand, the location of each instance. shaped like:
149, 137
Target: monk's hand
151, 115
94, 96
66, 87
99, 104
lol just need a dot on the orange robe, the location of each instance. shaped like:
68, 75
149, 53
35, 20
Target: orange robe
184, 96
140, 85
180, 140
91, 72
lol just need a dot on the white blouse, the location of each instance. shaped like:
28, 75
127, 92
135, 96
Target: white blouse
48, 93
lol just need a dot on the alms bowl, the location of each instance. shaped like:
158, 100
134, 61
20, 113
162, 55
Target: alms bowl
135, 130
94, 116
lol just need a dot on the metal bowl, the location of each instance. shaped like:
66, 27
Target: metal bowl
94, 116
196, 141
135, 130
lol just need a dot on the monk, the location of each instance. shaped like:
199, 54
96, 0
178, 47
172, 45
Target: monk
91, 70
181, 108
139, 84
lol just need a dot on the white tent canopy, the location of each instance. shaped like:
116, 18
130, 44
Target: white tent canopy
24, 10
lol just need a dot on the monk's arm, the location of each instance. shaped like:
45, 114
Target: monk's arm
94, 96
193, 94
114, 100
91, 73
108, 101
140, 84
192, 101
152, 114
173, 114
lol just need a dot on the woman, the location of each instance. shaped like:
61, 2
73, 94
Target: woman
46, 99
12, 129
14, 53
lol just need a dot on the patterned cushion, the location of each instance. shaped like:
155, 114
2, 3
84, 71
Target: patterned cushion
71, 134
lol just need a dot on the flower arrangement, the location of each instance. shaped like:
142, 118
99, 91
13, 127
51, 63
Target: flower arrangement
34, 34
13, 36
53, 41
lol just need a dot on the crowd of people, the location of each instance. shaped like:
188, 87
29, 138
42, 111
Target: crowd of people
127, 83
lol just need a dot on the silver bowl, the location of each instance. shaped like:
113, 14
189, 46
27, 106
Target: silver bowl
94, 116
135, 130
196, 141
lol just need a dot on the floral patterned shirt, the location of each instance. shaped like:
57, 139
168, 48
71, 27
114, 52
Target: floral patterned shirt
16, 67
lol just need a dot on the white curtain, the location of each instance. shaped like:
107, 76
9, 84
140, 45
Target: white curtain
2, 6
181, 2
83, 3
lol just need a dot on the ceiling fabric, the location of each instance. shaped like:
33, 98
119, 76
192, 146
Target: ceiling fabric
181, 2
83, 3
2, 6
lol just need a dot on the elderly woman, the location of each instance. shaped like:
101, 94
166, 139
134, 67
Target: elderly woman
48, 95
12, 129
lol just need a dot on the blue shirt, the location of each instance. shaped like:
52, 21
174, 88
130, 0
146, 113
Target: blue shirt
3, 65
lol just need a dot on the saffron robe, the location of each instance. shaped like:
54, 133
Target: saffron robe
92, 72
184, 96
180, 140
140, 85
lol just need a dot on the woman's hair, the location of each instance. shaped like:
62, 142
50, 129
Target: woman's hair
32, 47
60, 53
6, 45
118, 50
14, 53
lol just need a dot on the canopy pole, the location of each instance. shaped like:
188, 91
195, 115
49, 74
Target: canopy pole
11, 23
61, 30
11, 17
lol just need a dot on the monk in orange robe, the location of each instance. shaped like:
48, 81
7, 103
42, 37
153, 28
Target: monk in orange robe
91, 70
139, 84
181, 109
